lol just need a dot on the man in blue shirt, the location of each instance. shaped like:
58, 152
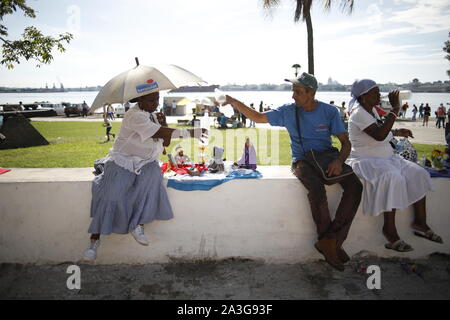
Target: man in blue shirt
318, 122
223, 122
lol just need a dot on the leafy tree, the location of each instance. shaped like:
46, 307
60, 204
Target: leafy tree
447, 50
303, 10
33, 44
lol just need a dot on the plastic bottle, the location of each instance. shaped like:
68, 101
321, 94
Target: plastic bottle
402, 95
400, 146
219, 96
203, 144
205, 124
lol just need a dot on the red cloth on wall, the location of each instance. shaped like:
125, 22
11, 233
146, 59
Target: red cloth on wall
2, 171
183, 169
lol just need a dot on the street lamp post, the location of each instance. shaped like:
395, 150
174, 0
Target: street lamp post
296, 67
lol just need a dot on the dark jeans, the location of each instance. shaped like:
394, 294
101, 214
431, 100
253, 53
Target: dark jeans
338, 228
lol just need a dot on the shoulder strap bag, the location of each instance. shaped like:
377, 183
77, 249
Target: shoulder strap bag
320, 160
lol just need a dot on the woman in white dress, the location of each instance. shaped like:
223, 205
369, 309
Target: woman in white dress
130, 191
390, 182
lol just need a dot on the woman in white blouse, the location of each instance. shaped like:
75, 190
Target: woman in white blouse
130, 191
390, 182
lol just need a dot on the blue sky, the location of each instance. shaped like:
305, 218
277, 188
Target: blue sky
237, 41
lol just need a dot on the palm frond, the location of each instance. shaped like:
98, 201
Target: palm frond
347, 6
327, 4
269, 4
303, 7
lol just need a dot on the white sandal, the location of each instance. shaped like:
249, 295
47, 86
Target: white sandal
399, 245
429, 234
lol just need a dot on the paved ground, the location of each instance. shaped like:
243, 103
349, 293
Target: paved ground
422, 134
233, 279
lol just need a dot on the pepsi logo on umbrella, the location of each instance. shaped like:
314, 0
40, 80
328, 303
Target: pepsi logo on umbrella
148, 86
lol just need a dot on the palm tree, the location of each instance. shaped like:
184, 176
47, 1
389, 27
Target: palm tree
447, 50
303, 10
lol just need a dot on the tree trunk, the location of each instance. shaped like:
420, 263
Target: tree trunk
309, 29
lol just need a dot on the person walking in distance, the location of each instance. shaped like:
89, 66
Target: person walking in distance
426, 114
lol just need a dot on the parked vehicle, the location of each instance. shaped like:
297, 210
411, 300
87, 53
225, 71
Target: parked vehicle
30, 106
59, 108
9, 107
121, 109
17, 107
72, 108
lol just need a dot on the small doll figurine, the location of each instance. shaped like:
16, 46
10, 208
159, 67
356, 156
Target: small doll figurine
216, 163
180, 158
248, 159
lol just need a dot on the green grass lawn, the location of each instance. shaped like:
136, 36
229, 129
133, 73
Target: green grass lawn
78, 144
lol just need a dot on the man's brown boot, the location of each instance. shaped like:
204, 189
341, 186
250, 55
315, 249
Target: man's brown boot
327, 247
342, 255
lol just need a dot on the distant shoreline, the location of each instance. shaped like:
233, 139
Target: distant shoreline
38, 90
223, 89
333, 86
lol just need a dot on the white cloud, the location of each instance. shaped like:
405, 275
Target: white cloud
234, 41
425, 16
394, 32
362, 55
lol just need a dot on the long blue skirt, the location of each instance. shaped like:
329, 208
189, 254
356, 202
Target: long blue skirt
121, 200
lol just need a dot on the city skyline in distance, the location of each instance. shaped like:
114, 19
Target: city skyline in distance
332, 85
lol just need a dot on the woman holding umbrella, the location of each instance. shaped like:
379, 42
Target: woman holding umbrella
130, 192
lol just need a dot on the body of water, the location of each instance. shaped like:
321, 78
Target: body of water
270, 98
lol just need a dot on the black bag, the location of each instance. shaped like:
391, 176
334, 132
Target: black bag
320, 160
99, 166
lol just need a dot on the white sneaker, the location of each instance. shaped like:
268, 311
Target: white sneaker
91, 252
139, 235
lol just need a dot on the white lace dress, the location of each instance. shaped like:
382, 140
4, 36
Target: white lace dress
390, 182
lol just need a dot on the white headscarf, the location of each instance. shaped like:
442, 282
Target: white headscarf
359, 88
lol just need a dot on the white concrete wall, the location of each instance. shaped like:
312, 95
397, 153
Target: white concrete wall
44, 217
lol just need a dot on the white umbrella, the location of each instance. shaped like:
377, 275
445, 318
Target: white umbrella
142, 80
